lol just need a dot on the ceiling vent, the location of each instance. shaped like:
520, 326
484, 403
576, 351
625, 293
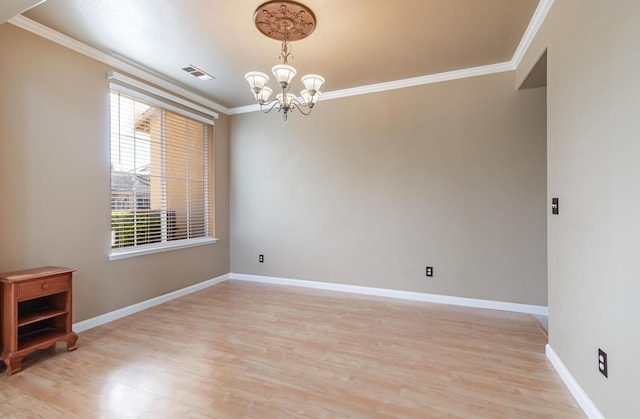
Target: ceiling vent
196, 72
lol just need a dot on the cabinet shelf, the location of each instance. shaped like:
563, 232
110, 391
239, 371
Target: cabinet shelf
40, 337
43, 313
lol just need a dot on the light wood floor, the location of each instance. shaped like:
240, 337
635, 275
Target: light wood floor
251, 350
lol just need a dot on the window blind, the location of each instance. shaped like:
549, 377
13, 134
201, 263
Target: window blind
159, 174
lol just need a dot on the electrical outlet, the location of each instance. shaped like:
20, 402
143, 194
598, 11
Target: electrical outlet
602, 363
429, 270
261, 258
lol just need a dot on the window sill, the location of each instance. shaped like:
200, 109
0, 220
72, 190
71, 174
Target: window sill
117, 254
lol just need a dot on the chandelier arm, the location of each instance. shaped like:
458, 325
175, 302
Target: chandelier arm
271, 104
301, 106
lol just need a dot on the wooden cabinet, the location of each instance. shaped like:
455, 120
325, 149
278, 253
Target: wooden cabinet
36, 312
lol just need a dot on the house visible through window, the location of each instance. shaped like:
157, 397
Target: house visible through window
159, 175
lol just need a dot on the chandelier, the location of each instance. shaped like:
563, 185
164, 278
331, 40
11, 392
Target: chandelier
285, 21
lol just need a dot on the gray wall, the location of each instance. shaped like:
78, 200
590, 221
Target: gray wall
55, 181
593, 167
368, 190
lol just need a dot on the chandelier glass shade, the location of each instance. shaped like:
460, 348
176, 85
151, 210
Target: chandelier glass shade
285, 21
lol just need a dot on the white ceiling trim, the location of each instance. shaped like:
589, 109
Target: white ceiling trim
534, 25
247, 108
418, 81
400, 84
536, 22
59, 38
532, 29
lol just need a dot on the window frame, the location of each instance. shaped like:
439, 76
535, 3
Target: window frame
169, 102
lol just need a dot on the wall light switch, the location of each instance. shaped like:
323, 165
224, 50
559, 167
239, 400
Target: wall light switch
555, 206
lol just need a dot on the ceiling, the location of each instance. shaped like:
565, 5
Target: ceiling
356, 42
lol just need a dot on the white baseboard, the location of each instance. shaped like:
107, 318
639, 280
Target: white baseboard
125, 311
405, 295
578, 393
356, 289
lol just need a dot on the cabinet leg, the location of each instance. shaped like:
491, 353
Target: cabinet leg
14, 363
72, 342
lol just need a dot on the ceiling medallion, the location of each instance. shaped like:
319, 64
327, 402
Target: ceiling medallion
285, 21
282, 20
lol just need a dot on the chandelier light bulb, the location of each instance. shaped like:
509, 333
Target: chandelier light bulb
263, 95
313, 82
256, 80
284, 73
310, 99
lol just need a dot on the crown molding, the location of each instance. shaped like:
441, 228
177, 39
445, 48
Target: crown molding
534, 26
91, 52
245, 109
400, 84
418, 81
532, 29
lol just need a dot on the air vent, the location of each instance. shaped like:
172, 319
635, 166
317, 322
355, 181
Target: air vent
196, 72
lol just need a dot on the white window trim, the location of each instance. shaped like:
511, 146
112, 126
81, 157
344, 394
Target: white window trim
124, 252
127, 85
154, 96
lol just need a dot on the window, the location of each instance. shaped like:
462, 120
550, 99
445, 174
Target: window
159, 175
